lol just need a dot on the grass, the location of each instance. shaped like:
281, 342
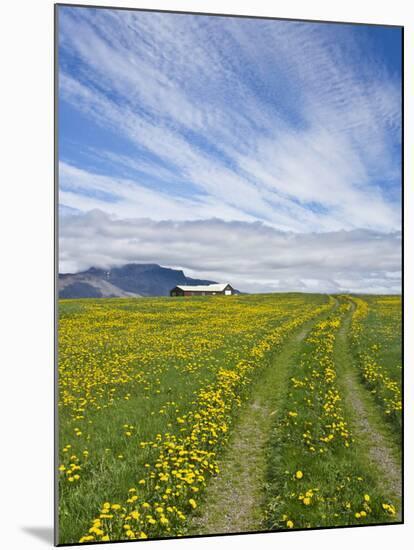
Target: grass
173, 411
375, 339
129, 371
378, 444
243, 466
317, 475
382, 327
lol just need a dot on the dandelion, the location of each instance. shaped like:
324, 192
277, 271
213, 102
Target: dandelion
389, 508
184, 456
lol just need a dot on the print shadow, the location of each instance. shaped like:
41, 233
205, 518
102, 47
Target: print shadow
43, 533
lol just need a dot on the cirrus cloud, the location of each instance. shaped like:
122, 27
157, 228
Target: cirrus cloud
288, 134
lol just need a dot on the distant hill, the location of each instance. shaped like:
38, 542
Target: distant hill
128, 280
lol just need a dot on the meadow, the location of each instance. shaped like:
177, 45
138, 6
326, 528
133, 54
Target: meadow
152, 393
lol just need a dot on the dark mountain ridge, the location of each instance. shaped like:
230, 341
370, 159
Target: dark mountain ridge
128, 280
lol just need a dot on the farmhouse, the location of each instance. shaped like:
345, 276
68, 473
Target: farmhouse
202, 290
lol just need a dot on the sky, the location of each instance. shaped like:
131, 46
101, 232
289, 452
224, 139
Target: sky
261, 152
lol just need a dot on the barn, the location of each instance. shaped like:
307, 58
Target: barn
203, 290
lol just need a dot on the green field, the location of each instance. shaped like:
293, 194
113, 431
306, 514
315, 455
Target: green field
172, 410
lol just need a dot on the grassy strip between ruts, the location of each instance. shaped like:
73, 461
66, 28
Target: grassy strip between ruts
385, 389
186, 461
316, 478
243, 466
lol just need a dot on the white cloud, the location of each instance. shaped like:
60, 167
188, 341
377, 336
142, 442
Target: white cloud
232, 122
254, 257
85, 191
152, 78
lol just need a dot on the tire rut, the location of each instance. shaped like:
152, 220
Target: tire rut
234, 500
376, 438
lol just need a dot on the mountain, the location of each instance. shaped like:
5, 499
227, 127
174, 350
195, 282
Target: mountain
85, 285
128, 280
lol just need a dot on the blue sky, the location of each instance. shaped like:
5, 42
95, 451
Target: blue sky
275, 130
